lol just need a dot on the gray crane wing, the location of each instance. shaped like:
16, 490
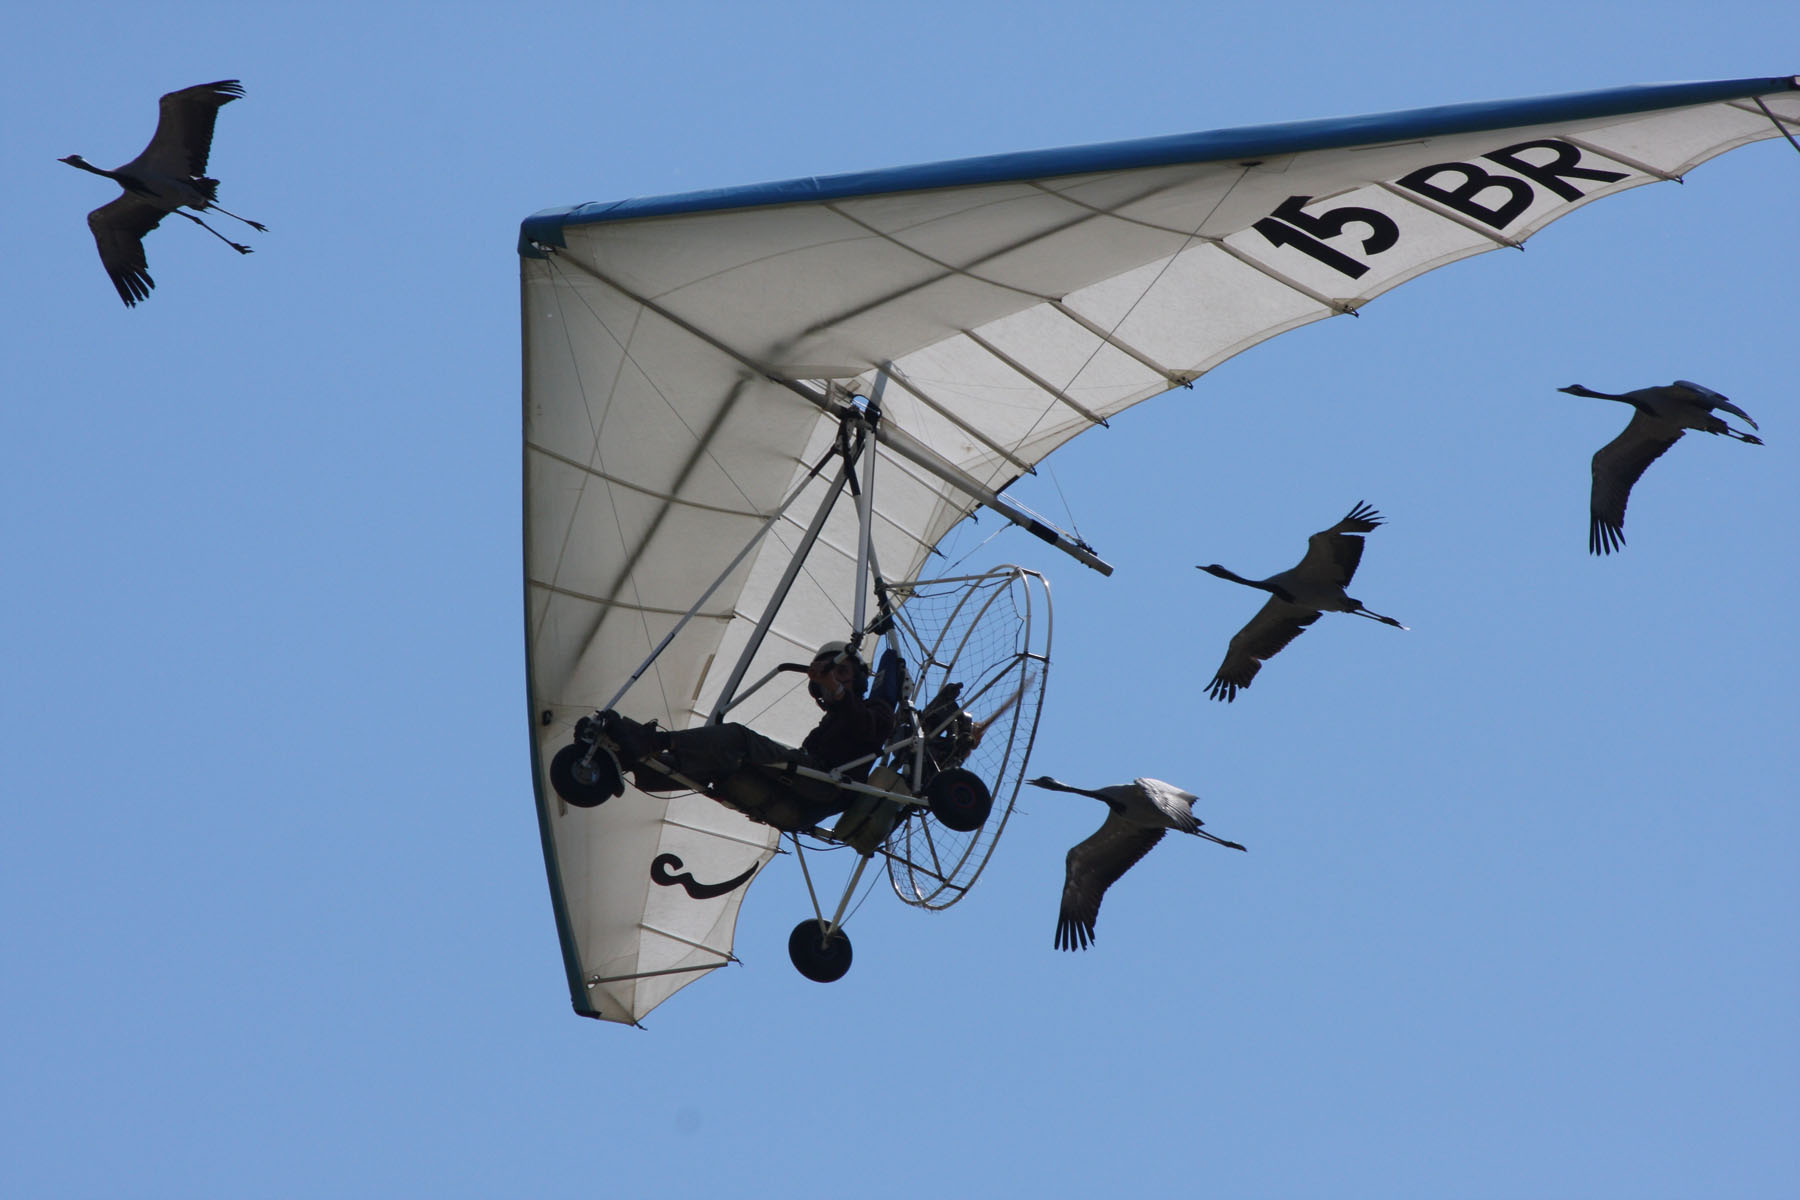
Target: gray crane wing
1617, 466
1275, 625
1714, 400
1175, 804
1333, 554
1728, 406
1093, 866
184, 131
119, 229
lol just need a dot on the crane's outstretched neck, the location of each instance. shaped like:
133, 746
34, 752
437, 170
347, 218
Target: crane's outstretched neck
1575, 389
1225, 573
1057, 785
75, 160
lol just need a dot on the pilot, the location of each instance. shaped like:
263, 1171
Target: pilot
855, 726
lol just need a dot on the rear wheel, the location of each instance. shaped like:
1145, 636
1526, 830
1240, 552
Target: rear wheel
584, 786
821, 958
959, 800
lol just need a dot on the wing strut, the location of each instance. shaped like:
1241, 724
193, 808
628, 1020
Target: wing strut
796, 560
920, 455
755, 540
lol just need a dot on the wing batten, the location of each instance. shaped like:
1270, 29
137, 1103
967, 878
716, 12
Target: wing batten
1331, 306
1449, 214
1617, 156
1038, 381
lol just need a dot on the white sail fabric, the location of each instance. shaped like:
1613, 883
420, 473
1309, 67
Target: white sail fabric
684, 357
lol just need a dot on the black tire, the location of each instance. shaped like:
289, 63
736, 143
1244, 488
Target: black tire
959, 800
584, 787
820, 959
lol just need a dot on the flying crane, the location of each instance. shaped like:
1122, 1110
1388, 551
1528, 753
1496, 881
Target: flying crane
1138, 814
1297, 596
1661, 415
168, 176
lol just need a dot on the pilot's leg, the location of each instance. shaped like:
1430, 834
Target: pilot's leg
711, 751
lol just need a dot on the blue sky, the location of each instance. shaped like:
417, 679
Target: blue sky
1519, 912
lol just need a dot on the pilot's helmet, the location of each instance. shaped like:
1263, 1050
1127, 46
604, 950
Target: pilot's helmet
832, 653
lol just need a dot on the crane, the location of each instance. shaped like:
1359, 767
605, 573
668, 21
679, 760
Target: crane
1662, 415
168, 176
1297, 596
1138, 815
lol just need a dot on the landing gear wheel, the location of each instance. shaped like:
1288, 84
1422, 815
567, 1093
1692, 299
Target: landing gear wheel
587, 786
959, 800
819, 958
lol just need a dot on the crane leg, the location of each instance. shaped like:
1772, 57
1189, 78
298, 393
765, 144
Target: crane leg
1375, 616
256, 225
214, 232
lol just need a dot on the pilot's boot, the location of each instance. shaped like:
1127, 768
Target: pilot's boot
634, 740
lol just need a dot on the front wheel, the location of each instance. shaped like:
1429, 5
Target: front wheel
959, 800
584, 786
820, 958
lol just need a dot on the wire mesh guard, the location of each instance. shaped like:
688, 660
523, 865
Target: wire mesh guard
979, 651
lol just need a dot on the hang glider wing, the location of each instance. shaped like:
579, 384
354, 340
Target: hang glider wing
685, 357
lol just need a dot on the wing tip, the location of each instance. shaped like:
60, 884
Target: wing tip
1073, 934
134, 287
1605, 537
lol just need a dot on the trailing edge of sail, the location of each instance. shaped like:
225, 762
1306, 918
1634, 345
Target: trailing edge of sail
684, 358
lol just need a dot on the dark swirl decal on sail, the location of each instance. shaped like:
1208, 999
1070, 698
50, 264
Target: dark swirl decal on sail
664, 863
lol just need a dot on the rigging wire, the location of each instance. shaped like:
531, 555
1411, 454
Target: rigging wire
971, 552
1056, 483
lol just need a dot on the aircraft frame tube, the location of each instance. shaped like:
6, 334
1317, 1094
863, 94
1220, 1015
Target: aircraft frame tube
921, 455
782, 588
754, 541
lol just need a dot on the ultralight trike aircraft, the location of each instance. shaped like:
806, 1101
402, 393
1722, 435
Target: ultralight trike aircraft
751, 414
978, 646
